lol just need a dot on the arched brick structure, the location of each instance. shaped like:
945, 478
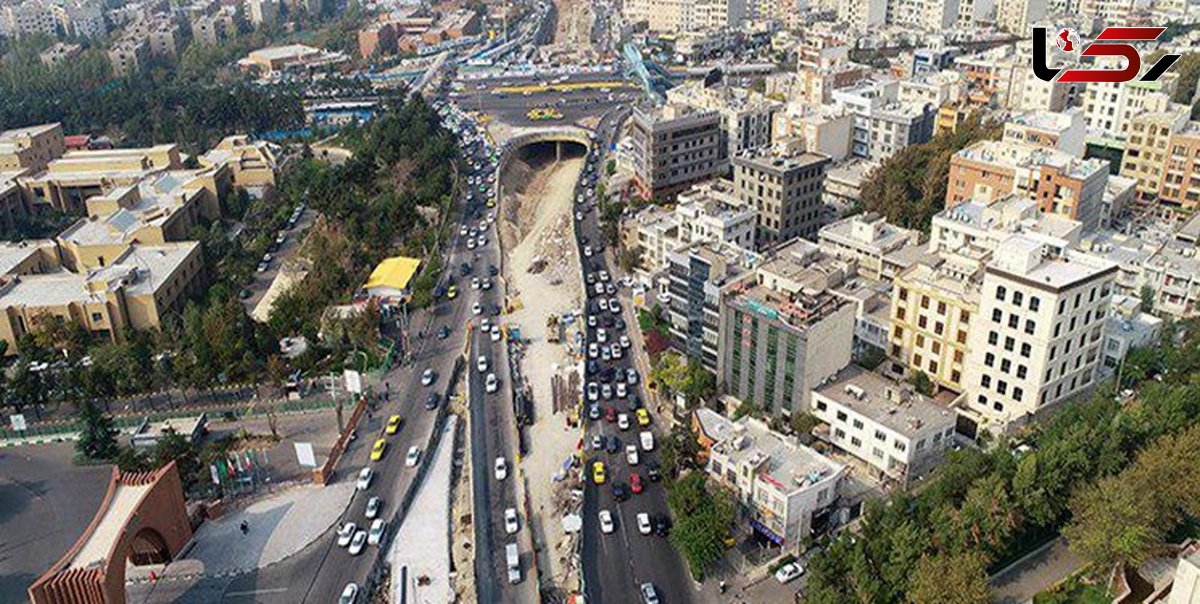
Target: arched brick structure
142, 518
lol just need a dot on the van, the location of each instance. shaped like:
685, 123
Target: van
514, 563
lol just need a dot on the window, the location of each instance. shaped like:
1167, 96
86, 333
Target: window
841, 416
821, 406
858, 424
997, 315
1026, 349
903, 293
1022, 371
879, 435
1018, 298
920, 340
1000, 292
1005, 365
900, 446
998, 406
1034, 303
97, 317
962, 337
900, 313
1017, 394
925, 302
839, 433
1009, 344
898, 332
993, 338
921, 322
1030, 326
986, 381
854, 440
989, 359
1001, 386
877, 452
1013, 320
941, 308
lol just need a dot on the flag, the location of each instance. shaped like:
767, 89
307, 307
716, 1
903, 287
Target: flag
216, 478
221, 469
263, 459
249, 465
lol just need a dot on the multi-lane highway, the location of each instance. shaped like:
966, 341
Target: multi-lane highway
616, 564
576, 96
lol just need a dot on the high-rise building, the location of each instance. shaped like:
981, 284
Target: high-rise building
1148, 147
696, 275
883, 123
746, 115
1037, 337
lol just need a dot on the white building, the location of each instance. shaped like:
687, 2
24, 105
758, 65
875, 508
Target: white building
897, 431
883, 124
1128, 327
927, 15
783, 484
986, 224
862, 15
881, 249
706, 213
1017, 16
1039, 332
1108, 108
746, 116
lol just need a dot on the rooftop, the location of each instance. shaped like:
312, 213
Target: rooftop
768, 161
868, 232
1052, 121
140, 270
886, 402
778, 459
1032, 260
12, 254
1016, 155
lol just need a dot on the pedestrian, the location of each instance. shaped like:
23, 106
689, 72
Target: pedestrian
245, 527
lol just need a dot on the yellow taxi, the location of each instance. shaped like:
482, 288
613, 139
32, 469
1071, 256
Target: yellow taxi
378, 449
452, 293
393, 424
491, 203
643, 417
598, 472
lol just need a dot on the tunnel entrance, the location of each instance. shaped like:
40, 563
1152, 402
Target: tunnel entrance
538, 154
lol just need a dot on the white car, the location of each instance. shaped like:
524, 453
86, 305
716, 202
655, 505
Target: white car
414, 455
375, 535
475, 283
346, 534
358, 543
501, 468
491, 384
602, 334
615, 351
482, 240
606, 391
597, 442
647, 438
631, 454
593, 350
604, 275
482, 364
470, 243
624, 341
350, 594
788, 572
495, 331
623, 421
364, 479
587, 251
603, 304
373, 506
462, 231
476, 309
643, 522
593, 393
606, 522
613, 304
622, 391
428, 377
486, 284
511, 525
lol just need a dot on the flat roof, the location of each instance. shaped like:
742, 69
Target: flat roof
886, 402
15, 252
785, 462
394, 273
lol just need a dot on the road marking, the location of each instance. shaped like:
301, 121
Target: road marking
237, 594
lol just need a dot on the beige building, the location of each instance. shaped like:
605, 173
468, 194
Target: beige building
68, 181
1149, 145
252, 164
674, 147
31, 148
933, 305
881, 249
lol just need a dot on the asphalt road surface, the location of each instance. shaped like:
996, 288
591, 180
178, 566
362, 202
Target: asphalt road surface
513, 108
616, 564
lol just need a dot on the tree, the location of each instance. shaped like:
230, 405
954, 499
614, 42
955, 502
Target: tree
1147, 297
173, 446
631, 258
680, 451
97, 437
803, 423
944, 579
704, 516
920, 380
1110, 525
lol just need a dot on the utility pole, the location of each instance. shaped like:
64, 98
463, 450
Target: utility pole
337, 403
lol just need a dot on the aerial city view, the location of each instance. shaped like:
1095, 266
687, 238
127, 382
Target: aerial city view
599, 301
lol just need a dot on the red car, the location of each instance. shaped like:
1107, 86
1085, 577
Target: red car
610, 414
635, 483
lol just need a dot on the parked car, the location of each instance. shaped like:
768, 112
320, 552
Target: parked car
428, 377
606, 522
643, 523
414, 455
358, 543
788, 572
511, 523
501, 468
349, 594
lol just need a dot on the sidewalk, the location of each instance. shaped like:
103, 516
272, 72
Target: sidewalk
1038, 571
421, 548
280, 526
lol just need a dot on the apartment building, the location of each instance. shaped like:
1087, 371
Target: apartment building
1180, 185
674, 147
59, 53
934, 88
675, 16
1149, 145
822, 129
933, 305
783, 332
985, 224
1128, 327
1017, 16
746, 116
262, 13
932, 60
706, 213
29, 18
252, 164
1109, 108
788, 490
128, 55
785, 190
923, 15
1000, 78
881, 249
210, 30
1063, 131
696, 275
67, 182
1060, 183
899, 433
821, 72
1172, 273
276, 60
862, 15
12, 205
883, 124
377, 38
1038, 335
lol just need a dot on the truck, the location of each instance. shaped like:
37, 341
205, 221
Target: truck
514, 563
